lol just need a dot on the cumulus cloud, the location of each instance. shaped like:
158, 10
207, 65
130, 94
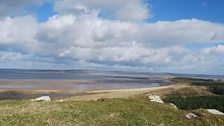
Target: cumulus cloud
91, 32
13, 7
18, 33
217, 50
78, 37
124, 10
132, 56
180, 32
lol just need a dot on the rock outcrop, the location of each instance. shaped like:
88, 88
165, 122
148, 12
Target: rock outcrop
42, 98
155, 98
215, 112
191, 115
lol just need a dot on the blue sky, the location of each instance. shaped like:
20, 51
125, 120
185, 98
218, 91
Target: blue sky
42, 12
208, 10
185, 36
162, 10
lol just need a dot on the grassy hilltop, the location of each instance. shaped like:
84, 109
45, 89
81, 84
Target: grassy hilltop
132, 111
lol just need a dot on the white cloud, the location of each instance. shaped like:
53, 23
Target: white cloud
124, 10
10, 56
14, 7
64, 32
16, 30
180, 32
18, 33
79, 37
217, 50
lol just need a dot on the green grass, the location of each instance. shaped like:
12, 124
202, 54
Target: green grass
137, 111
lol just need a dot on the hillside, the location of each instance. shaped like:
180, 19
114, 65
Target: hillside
132, 111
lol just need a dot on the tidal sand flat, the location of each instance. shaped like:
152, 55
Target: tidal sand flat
19, 84
61, 84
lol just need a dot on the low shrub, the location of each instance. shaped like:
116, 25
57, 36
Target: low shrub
196, 102
217, 89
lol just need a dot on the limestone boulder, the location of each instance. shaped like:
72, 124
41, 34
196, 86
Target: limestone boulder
191, 116
155, 98
215, 112
42, 98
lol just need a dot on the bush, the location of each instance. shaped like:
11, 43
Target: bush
213, 86
196, 102
217, 89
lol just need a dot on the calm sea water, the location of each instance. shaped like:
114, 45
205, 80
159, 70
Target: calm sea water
47, 74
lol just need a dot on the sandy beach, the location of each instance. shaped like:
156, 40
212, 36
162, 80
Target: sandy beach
121, 93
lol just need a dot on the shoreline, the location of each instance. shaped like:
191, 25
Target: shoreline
114, 93
78, 85
75, 95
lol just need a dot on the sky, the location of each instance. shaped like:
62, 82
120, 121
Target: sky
175, 36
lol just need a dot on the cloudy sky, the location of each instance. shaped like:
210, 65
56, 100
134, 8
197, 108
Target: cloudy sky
179, 36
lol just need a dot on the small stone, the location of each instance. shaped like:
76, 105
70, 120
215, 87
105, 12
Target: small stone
61, 100
191, 115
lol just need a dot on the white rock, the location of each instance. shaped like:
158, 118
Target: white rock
191, 116
173, 105
42, 98
215, 112
155, 98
